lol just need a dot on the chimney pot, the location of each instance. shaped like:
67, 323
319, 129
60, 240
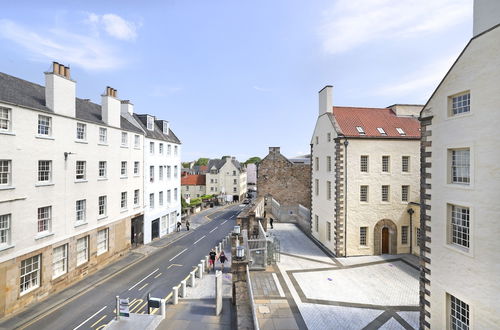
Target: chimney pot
61, 70
67, 72
55, 67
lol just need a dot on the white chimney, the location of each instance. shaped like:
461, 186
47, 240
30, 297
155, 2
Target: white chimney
325, 100
486, 15
110, 108
127, 107
60, 90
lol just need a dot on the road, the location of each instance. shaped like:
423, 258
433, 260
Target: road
155, 274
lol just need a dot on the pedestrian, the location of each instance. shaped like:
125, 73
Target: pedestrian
187, 224
271, 222
178, 226
211, 260
222, 260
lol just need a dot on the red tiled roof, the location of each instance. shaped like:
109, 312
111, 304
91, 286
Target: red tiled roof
203, 168
372, 118
193, 180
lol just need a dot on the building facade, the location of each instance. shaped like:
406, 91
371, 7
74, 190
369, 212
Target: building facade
162, 183
67, 195
193, 186
460, 265
365, 178
227, 178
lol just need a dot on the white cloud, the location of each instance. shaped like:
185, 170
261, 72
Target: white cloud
114, 26
351, 23
63, 46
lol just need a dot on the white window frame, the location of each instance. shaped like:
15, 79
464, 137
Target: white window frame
102, 169
160, 148
165, 127
381, 131
102, 205
103, 135
169, 172
137, 141
151, 173
29, 279
169, 149
316, 223
160, 172
5, 119
102, 241
5, 172
123, 169
459, 104
316, 187
5, 230
169, 196
59, 261
150, 123
137, 168
160, 198
82, 250
80, 170
176, 172
459, 313
44, 171
404, 235
124, 139
459, 226
316, 163
400, 131
44, 220
44, 125
81, 211
328, 190
360, 130
459, 166
176, 150
176, 194
405, 195
385, 196
152, 201
81, 132
329, 231
123, 200
136, 197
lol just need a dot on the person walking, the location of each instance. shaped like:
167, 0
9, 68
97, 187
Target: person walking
211, 260
222, 260
187, 224
178, 226
271, 222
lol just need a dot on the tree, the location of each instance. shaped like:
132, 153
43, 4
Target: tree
185, 165
253, 160
201, 161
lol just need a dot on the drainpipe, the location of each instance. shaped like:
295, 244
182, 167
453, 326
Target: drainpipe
410, 212
346, 143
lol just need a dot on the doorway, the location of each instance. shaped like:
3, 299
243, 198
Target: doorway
137, 230
155, 228
385, 240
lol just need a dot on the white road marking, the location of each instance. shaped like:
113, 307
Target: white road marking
136, 284
214, 229
90, 317
178, 254
224, 222
202, 237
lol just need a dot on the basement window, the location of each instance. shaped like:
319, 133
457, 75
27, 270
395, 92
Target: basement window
361, 130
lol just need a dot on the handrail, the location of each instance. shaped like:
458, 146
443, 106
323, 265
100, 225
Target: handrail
252, 304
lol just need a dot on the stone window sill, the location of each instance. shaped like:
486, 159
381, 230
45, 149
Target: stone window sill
102, 179
7, 187
102, 144
79, 224
44, 137
44, 184
80, 181
43, 235
81, 141
102, 217
6, 247
7, 133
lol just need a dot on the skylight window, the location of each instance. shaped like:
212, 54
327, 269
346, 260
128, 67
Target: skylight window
381, 131
400, 131
361, 131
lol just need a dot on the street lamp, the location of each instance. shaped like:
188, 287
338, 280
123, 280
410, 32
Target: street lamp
236, 230
410, 212
240, 253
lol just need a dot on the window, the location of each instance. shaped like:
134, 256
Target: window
102, 169
161, 148
234, 189
30, 274
329, 163
4, 230
459, 225
59, 261
385, 163
150, 123
5, 119
151, 147
102, 206
123, 171
137, 141
362, 235
44, 127
169, 193
405, 191
400, 131
152, 201
102, 241
405, 164
5, 172
136, 197
103, 135
360, 130
328, 137
385, 193
363, 193
364, 164
329, 230
44, 219
169, 170
44, 171
175, 171
169, 149
176, 150
160, 198
136, 168
328, 190
316, 162
234, 173
316, 223
459, 314
80, 169
316, 186
124, 139
165, 127
82, 250
176, 195
404, 235
160, 172
417, 235
460, 104
80, 210
151, 174
123, 200
381, 131
460, 166
81, 131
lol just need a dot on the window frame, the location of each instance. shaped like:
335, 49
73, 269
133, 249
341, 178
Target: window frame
44, 220
137, 168
363, 236
452, 99
405, 159
136, 197
124, 140
457, 225
364, 193
102, 239
137, 141
81, 170
79, 250
7, 175
7, 120
364, 163
387, 199
328, 163
454, 170
44, 173
33, 275
386, 164
48, 126
404, 235
5, 229
102, 206
81, 130
123, 201
151, 200
63, 259
103, 135
81, 211
123, 169
102, 171
403, 197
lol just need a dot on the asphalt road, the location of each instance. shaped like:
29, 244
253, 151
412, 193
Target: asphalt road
155, 274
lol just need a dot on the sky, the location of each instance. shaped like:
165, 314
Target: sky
236, 77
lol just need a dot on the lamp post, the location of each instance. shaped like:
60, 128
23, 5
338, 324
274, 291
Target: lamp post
240, 253
410, 212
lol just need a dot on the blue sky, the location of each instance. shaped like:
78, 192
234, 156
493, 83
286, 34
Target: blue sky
234, 77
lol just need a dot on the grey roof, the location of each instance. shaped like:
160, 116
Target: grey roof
27, 94
218, 163
157, 133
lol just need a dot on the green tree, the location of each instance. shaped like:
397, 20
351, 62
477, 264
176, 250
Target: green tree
253, 160
185, 165
201, 161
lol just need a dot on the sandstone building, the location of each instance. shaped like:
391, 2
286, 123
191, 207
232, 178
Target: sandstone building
193, 186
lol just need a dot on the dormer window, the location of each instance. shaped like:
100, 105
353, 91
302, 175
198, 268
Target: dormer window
381, 131
400, 131
165, 127
150, 123
361, 130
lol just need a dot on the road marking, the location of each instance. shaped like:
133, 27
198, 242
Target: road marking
138, 306
136, 284
172, 265
101, 327
202, 237
278, 285
98, 321
142, 287
158, 275
154, 310
90, 317
224, 222
214, 229
178, 254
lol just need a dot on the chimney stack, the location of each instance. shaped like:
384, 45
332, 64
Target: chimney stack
60, 90
127, 107
111, 108
325, 100
486, 15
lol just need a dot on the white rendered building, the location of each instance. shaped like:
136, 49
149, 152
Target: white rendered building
162, 179
459, 287
227, 178
67, 192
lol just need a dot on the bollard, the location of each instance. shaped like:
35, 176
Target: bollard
183, 289
200, 271
117, 308
202, 265
218, 292
192, 278
163, 308
206, 263
217, 249
220, 247
175, 295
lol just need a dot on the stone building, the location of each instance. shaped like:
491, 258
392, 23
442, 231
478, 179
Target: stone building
287, 182
193, 186
226, 178
460, 264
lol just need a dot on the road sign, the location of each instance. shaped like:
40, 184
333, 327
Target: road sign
124, 310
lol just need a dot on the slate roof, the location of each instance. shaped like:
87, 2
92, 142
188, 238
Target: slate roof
157, 133
370, 119
27, 94
218, 163
193, 180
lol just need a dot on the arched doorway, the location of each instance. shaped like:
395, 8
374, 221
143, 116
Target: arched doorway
385, 237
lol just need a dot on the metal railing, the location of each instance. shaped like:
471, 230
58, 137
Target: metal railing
252, 303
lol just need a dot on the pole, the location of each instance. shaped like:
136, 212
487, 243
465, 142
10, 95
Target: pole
117, 308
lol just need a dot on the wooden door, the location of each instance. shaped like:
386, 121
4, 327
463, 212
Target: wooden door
385, 240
